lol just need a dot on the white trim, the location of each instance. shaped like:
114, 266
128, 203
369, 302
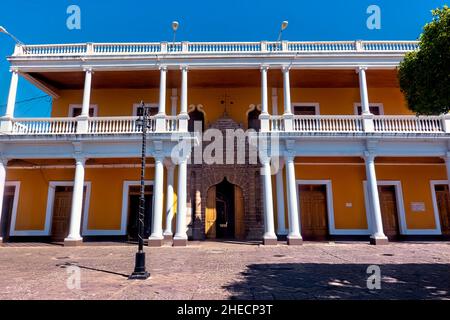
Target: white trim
437, 219
51, 201
316, 106
16, 185
137, 105
358, 104
124, 218
330, 209
403, 227
80, 106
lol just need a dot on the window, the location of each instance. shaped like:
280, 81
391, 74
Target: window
376, 109
153, 108
305, 109
75, 110
253, 120
196, 116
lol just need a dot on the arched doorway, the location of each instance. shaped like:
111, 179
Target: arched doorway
224, 212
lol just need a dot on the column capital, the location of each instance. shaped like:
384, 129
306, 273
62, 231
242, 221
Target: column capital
360, 68
184, 67
369, 156
264, 67
80, 159
3, 161
14, 70
88, 70
162, 68
285, 68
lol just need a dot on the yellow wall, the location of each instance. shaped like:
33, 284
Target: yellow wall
119, 102
105, 201
347, 185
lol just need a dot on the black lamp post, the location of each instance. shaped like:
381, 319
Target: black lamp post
143, 122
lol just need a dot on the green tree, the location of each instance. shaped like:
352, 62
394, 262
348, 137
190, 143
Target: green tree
424, 74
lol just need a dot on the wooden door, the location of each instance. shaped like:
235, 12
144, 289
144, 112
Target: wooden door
443, 204
210, 213
239, 226
389, 214
8, 202
313, 212
61, 213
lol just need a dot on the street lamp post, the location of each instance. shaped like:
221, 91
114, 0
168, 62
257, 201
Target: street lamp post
143, 122
3, 30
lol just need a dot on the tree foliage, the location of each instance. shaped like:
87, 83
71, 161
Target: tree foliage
424, 74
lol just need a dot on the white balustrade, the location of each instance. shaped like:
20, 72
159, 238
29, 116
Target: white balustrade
328, 124
276, 123
115, 125
171, 123
36, 126
217, 47
408, 124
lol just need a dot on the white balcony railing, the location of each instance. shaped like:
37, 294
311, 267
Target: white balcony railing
327, 124
413, 124
95, 125
106, 49
355, 124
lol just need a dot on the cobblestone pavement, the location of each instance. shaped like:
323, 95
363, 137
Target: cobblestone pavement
216, 270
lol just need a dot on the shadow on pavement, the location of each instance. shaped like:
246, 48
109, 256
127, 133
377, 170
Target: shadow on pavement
341, 281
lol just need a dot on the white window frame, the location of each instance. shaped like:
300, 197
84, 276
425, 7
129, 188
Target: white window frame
359, 104
12, 226
125, 195
137, 105
401, 215
78, 106
316, 106
51, 201
437, 218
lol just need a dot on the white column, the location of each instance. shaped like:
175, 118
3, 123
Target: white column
367, 116
184, 117
156, 237
169, 199
162, 90
87, 93
286, 90
160, 118
294, 236
269, 237
377, 233
288, 117
264, 116
363, 90
281, 226
447, 166
12, 94
74, 237
3, 165
180, 238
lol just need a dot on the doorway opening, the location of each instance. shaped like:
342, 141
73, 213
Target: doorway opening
7, 209
225, 212
314, 211
389, 211
133, 211
443, 205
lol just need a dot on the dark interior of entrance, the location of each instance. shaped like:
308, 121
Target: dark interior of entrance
8, 201
133, 212
225, 210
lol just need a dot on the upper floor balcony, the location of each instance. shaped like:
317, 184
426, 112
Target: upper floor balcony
73, 73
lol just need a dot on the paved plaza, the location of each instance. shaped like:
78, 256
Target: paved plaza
226, 270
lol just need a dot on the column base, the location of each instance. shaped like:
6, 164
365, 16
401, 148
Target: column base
73, 243
379, 241
168, 236
270, 241
179, 242
152, 242
294, 241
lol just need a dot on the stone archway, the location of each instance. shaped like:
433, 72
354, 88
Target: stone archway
201, 177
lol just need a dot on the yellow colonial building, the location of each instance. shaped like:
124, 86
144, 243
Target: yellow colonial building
345, 157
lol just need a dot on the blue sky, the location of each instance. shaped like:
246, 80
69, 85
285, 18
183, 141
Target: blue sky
44, 21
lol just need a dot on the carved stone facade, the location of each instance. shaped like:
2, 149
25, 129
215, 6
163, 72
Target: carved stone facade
201, 177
